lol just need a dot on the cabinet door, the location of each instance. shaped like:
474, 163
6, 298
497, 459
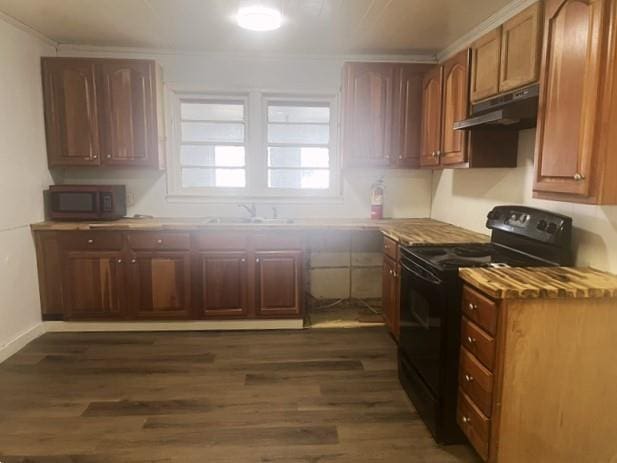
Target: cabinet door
571, 72
159, 285
486, 55
520, 49
129, 135
94, 284
455, 108
279, 291
71, 123
431, 117
367, 114
224, 284
407, 122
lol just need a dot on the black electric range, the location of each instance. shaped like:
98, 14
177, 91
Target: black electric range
431, 298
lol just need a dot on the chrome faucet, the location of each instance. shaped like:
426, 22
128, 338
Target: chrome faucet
250, 208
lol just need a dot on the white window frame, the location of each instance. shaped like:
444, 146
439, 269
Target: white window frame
256, 149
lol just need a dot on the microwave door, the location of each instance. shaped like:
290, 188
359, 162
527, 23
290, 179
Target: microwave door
75, 202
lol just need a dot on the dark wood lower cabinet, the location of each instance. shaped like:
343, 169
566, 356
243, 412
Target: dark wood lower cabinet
224, 284
159, 285
279, 283
136, 275
94, 285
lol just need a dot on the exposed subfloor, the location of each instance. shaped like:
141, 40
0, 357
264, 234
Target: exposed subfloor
311, 396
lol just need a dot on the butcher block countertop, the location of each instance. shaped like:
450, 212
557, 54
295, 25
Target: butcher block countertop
541, 282
408, 232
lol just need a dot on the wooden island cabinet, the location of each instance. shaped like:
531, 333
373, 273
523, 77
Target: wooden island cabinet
169, 275
536, 381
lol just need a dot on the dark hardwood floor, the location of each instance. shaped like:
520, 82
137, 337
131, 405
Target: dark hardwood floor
313, 396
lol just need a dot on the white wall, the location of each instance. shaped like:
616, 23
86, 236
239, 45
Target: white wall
23, 176
407, 193
464, 197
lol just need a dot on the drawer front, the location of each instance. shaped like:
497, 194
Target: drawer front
390, 248
277, 240
82, 241
476, 381
480, 310
159, 240
478, 342
475, 425
222, 241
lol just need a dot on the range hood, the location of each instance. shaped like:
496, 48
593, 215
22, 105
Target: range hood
518, 110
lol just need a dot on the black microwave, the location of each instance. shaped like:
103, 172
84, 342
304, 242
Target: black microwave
86, 202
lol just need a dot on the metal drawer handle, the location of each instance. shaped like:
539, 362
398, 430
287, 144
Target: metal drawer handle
468, 378
466, 420
471, 306
471, 340
90, 241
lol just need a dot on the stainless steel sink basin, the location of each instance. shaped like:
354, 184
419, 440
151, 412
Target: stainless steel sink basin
246, 220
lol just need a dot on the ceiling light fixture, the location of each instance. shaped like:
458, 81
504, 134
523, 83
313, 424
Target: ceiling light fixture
259, 18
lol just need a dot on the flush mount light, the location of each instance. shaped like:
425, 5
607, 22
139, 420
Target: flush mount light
259, 18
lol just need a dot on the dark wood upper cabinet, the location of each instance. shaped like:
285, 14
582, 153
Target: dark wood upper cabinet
368, 94
432, 100
224, 284
455, 108
159, 284
71, 112
128, 113
102, 112
382, 112
279, 288
575, 145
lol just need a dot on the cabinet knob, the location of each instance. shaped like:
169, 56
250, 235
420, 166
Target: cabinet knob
108, 156
243, 260
578, 177
466, 420
471, 340
133, 261
119, 261
95, 156
159, 241
471, 306
468, 378
257, 259
394, 274
90, 241
401, 156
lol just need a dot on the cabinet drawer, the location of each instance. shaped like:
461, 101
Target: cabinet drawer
159, 240
480, 310
475, 425
222, 241
476, 381
277, 241
83, 241
478, 342
390, 248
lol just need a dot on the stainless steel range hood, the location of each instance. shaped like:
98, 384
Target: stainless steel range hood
518, 110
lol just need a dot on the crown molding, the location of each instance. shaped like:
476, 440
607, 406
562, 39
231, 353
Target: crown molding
27, 29
65, 49
497, 19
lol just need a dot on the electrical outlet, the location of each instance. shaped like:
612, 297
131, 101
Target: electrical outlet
130, 198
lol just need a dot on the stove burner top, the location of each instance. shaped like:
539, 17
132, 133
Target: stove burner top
448, 258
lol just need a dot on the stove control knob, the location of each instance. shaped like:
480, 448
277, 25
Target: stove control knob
552, 228
542, 225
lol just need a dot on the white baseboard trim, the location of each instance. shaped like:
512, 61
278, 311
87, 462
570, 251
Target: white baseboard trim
21, 341
222, 325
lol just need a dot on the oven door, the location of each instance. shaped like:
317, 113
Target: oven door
423, 306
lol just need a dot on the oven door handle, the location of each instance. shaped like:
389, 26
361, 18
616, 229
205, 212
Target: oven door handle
429, 278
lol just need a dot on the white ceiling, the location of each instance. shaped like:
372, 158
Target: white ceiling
312, 26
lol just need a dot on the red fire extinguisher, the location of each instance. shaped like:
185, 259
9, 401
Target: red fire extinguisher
377, 190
